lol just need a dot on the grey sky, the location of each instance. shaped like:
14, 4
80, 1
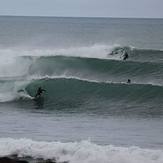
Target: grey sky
83, 8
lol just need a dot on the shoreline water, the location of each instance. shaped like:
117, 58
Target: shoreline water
28, 150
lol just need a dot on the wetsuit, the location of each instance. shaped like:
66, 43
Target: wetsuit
39, 92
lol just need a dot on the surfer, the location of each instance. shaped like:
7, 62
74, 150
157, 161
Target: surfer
125, 56
128, 81
39, 92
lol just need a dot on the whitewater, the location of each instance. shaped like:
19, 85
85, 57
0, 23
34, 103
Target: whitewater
89, 113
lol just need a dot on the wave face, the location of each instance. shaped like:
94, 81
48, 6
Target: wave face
90, 82
78, 152
70, 89
97, 69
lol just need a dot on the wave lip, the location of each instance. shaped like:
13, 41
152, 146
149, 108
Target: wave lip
78, 152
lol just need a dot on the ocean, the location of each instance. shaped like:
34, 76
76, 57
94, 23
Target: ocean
89, 113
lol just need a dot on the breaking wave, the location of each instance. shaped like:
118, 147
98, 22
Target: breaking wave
78, 152
75, 77
88, 96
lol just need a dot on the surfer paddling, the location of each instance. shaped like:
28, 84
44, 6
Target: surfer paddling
39, 92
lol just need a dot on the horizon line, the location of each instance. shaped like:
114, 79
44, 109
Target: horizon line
50, 16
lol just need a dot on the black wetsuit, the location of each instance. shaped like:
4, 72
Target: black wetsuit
39, 92
128, 81
125, 56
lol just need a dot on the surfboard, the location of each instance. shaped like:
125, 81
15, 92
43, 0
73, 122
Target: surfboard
24, 95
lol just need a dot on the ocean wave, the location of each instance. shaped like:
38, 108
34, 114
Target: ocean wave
86, 68
86, 96
82, 61
70, 86
84, 74
102, 89
61, 63
78, 152
97, 69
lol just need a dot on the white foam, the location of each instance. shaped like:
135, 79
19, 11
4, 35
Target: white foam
10, 90
79, 152
94, 51
13, 66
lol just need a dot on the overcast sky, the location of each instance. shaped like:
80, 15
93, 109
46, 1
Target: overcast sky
83, 8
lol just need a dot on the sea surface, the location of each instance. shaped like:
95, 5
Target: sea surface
89, 113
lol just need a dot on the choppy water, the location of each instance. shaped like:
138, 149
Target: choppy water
89, 112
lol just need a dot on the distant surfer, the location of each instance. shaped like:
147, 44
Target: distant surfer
125, 56
128, 81
39, 92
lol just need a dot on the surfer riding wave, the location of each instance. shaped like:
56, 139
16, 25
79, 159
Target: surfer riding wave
39, 92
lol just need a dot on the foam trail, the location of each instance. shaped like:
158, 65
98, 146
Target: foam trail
79, 152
